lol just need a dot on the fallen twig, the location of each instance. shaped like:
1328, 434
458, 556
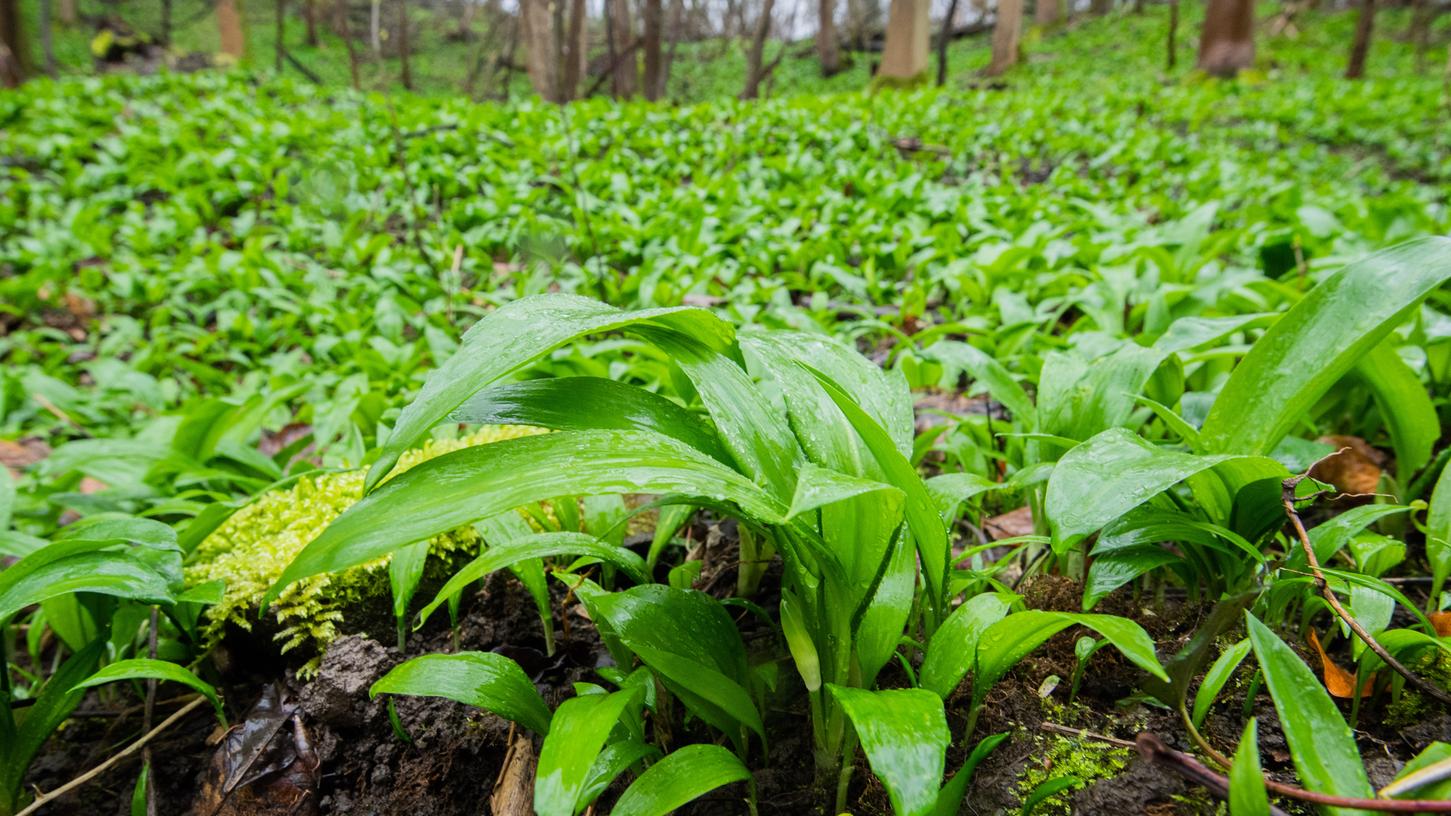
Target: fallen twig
1287, 497
42, 799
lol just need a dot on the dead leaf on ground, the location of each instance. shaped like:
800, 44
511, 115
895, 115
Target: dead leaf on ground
1010, 525
936, 407
265, 765
1442, 622
1339, 682
19, 455
1355, 470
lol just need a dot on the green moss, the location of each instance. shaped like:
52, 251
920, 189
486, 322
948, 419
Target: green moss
884, 83
249, 552
1412, 706
1063, 756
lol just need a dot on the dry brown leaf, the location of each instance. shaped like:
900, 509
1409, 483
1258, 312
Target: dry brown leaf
1010, 525
17, 456
1355, 470
1339, 682
1442, 622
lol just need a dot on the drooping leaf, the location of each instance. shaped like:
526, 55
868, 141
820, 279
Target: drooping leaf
904, 735
680, 777
142, 668
1321, 744
480, 679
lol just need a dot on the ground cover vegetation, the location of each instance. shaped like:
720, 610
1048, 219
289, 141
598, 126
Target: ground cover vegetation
1066, 441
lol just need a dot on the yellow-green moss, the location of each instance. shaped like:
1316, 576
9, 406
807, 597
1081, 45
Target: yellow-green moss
1412, 706
1063, 756
250, 550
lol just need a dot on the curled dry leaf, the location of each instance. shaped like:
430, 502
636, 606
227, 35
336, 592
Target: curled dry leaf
1355, 470
1010, 525
1339, 682
265, 765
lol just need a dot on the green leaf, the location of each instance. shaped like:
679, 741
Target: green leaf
63, 567
1321, 744
949, 799
1247, 796
516, 335
1046, 790
1405, 406
458, 488
405, 570
1113, 569
679, 778
1318, 341
52, 706
138, 793
1426, 776
142, 668
588, 403
798, 641
7, 497
1009, 640
1109, 475
1219, 673
533, 546
904, 735
953, 647
577, 733
480, 679
1438, 531
983, 368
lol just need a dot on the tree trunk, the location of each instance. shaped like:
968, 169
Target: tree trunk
1227, 44
344, 29
573, 53
621, 35
404, 64
677, 23
165, 38
827, 48
1007, 34
539, 20
229, 26
1100, 7
68, 15
12, 45
1364, 30
942, 40
1047, 13
47, 44
904, 56
653, 13
755, 57
281, 28
1171, 58
309, 16
375, 28
1420, 31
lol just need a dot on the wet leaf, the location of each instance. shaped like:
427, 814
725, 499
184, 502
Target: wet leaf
480, 679
904, 734
680, 777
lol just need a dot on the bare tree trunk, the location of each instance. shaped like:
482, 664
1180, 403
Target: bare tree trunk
404, 63
68, 14
573, 53
904, 56
1171, 58
1047, 13
827, 48
1226, 44
1420, 34
677, 24
229, 26
942, 41
47, 44
1007, 35
281, 27
539, 20
653, 14
165, 38
344, 28
755, 57
375, 28
1364, 31
309, 16
621, 33
13, 67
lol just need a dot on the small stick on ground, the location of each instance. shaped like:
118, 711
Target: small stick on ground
1287, 497
44, 799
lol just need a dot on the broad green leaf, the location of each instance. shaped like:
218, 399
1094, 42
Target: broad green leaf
817, 487
1113, 569
1321, 744
63, 567
949, 799
1004, 643
7, 497
142, 668
1328, 537
679, 778
988, 371
480, 679
576, 734
1079, 397
1318, 341
798, 641
1109, 475
1404, 405
458, 488
953, 647
904, 734
588, 403
516, 335
615, 759
1218, 674
1438, 531
1247, 796
534, 546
